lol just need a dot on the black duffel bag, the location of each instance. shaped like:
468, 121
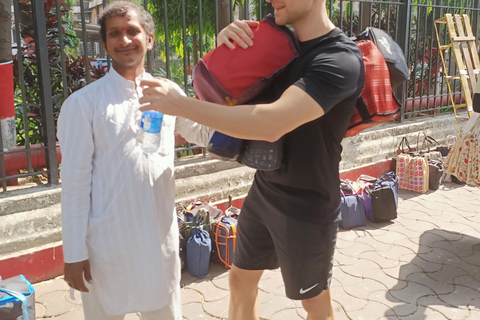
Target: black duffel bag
391, 51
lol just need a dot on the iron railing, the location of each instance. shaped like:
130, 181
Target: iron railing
53, 68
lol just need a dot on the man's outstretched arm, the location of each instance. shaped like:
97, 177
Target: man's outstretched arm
266, 122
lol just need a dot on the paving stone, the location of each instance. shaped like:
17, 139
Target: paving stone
390, 237
74, 314
474, 315
375, 230
359, 268
287, 314
349, 303
468, 281
378, 246
346, 280
209, 291
407, 258
457, 262
402, 272
194, 311
436, 286
437, 255
461, 297
189, 295
339, 310
384, 297
272, 283
221, 282
341, 243
39, 310
425, 313
55, 303
473, 259
450, 247
426, 265
379, 259
402, 221
450, 312
77, 296
267, 274
216, 308
447, 234
50, 285
385, 279
363, 290
347, 235
373, 310
280, 290
344, 260
272, 303
355, 250
303, 314
427, 238
411, 292
404, 309
447, 274
132, 316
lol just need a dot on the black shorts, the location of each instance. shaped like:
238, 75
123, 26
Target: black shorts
267, 238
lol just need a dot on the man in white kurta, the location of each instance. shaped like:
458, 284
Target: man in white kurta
117, 202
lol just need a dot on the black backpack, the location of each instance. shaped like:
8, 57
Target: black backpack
392, 53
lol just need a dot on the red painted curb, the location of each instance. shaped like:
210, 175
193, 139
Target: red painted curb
36, 266
48, 263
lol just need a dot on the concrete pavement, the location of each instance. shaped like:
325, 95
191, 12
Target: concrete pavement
423, 265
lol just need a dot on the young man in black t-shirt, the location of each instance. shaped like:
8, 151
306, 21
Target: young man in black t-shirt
290, 216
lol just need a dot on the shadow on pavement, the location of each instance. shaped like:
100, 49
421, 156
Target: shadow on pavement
214, 271
444, 275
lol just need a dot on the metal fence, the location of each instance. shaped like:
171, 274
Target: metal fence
59, 51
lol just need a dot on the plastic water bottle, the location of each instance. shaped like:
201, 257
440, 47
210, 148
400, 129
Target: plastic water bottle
148, 135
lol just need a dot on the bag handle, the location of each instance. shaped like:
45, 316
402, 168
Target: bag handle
424, 142
389, 176
202, 217
23, 300
404, 143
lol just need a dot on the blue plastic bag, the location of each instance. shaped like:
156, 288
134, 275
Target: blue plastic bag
199, 247
17, 299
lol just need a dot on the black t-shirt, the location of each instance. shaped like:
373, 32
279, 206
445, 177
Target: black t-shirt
330, 70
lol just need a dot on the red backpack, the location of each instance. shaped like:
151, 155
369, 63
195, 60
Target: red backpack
377, 103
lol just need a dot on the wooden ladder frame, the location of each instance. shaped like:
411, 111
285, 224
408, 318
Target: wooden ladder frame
466, 58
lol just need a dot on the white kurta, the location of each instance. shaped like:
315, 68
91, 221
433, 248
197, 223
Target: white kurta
117, 202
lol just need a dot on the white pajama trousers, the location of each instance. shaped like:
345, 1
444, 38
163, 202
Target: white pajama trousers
94, 311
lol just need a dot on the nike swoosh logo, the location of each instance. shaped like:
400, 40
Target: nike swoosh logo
302, 291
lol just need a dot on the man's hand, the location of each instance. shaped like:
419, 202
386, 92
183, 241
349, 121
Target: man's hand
74, 273
160, 95
239, 31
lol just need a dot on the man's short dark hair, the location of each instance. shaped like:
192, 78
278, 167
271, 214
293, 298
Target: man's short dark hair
121, 9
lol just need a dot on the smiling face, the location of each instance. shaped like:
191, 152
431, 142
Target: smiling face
290, 11
126, 42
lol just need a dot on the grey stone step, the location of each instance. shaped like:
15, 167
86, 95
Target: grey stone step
24, 230
27, 229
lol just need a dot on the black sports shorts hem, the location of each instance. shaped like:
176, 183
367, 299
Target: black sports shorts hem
268, 238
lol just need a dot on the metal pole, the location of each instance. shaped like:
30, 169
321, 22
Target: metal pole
85, 40
149, 52
167, 51
41, 51
404, 28
185, 64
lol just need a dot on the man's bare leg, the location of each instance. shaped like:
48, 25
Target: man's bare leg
244, 303
319, 307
